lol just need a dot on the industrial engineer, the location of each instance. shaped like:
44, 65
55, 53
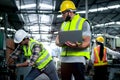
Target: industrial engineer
99, 59
74, 55
37, 57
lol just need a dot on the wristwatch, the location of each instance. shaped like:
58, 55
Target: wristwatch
78, 44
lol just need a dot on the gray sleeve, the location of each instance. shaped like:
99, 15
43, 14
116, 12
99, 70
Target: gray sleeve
112, 52
86, 29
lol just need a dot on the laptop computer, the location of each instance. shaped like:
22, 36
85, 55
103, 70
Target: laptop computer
73, 36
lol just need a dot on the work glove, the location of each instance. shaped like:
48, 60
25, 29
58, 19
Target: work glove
12, 66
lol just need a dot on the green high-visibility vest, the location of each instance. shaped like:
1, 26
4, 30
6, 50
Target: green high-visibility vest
44, 57
76, 24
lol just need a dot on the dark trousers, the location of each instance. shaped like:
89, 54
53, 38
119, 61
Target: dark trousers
100, 72
75, 69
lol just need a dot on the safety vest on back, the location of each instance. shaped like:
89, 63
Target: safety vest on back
97, 61
44, 57
76, 24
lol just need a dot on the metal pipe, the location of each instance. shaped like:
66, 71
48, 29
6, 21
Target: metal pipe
86, 7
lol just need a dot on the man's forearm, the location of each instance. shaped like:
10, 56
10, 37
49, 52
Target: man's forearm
25, 64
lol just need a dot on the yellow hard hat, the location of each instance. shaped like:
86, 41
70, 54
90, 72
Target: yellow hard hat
67, 4
100, 39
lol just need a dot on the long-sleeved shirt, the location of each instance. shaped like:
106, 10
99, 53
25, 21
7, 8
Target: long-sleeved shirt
35, 54
109, 51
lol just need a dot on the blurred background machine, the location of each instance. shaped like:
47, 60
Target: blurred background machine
114, 62
3, 67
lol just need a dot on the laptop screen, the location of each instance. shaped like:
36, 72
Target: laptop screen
73, 36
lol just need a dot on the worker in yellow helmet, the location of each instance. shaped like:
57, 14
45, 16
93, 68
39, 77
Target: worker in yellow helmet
74, 54
36, 56
67, 5
99, 59
100, 39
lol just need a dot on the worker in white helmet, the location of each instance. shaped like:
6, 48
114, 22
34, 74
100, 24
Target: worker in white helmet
37, 57
99, 59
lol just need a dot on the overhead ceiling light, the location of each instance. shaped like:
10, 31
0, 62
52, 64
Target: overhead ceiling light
9, 29
2, 28
59, 16
100, 9
1, 18
81, 12
115, 6
27, 6
118, 23
41, 5
110, 23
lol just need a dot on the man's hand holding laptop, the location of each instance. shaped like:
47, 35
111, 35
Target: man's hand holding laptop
72, 44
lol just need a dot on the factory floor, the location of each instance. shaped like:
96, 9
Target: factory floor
44, 77
114, 74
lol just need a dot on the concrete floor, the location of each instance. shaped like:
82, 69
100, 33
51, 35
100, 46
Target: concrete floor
22, 72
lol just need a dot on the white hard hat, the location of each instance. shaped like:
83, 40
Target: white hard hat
20, 35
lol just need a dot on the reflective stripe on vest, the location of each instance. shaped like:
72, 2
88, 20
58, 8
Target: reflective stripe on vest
97, 61
77, 24
44, 57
